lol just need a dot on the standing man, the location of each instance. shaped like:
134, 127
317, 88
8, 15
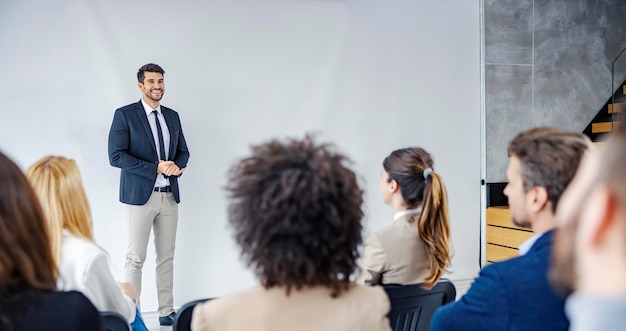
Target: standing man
516, 294
146, 141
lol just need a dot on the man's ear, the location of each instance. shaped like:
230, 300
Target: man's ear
538, 198
605, 213
140, 85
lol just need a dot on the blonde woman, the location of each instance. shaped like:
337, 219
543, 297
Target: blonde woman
415, 248
83, 266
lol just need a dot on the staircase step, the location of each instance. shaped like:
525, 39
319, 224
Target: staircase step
602, 127
619, 107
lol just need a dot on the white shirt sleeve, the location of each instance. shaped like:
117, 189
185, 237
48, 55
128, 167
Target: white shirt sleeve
102, 289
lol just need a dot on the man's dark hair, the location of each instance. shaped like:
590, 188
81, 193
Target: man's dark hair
150, 67
296, 212
549, 159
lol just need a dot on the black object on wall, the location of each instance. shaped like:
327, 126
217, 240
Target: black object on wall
495, 195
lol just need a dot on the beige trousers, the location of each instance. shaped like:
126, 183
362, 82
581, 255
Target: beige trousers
160, 214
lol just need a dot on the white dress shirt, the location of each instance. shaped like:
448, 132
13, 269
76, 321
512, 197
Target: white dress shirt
161, 181
528, 244
589, 312
84, 267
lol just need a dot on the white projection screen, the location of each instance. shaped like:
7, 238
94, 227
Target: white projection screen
370, 76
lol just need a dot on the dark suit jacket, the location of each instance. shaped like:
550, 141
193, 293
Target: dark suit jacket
510, 295
132, 148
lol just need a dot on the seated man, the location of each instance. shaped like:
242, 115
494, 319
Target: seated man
296, 212
590, 248
516, 294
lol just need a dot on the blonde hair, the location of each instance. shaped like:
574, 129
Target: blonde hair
58, 185
412, 169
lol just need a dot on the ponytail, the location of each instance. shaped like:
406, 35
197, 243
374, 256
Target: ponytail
434, 228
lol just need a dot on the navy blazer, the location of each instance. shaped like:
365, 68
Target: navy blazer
132, 149
511, 295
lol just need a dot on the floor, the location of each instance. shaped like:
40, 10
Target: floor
152, 322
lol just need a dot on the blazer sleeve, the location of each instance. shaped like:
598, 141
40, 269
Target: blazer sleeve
102, 289
119, 146
372, 262
483, 307
182, 152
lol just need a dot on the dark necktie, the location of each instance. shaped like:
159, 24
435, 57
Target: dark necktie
160, 132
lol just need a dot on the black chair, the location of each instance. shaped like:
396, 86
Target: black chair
182, 322
112, 321
412, 307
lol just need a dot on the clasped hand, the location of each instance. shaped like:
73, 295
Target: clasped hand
169, 168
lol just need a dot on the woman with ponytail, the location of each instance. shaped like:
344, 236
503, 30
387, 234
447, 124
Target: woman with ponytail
415, 248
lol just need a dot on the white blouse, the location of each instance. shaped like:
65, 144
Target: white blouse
84, 267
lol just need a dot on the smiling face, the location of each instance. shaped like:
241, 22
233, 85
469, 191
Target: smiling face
152, 87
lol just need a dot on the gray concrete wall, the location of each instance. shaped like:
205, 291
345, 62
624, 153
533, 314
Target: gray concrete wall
547, 63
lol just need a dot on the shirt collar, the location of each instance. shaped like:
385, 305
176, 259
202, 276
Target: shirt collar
149, 109
528, 244
406, 212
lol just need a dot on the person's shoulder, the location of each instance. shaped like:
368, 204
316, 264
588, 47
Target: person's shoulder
167, 109
521, 273
60, 311
69, 300
231, 300
79, 252
128, 107
373, 296
361, 291
222, 309
72, 243
532, 261
389, 230
371, 305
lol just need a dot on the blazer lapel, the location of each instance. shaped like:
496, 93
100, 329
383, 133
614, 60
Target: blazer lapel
169, 120
141, 112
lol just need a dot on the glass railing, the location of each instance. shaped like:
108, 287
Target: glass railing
618, 76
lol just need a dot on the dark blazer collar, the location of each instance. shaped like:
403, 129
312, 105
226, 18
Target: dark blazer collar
141, 112
545, 241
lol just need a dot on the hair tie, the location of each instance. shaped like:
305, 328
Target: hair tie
427, 172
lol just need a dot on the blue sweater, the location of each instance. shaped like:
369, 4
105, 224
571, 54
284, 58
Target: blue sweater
511, 295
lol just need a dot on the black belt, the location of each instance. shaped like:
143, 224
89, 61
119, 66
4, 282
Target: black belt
163, 189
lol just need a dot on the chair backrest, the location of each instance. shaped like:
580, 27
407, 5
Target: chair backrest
113, 321
412, 307
182, 322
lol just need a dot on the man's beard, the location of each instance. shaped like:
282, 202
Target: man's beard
149, 95
523, 224
563, 267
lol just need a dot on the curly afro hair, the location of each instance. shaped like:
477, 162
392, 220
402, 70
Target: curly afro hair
296, 212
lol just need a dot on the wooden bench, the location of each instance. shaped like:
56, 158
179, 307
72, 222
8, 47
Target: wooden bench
503, 238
